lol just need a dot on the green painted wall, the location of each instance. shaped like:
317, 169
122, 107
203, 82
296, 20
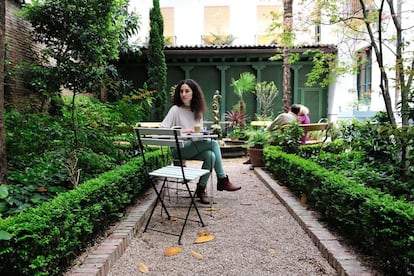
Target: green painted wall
214, 72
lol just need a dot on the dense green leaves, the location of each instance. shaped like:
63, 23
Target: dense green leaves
157, 67
288, 138
80, 37
357, 185
45, 239
377, 223
40, 149
83, 30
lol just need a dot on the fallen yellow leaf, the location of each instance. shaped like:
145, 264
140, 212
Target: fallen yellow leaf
143, 268
203, 233
171, 251
211, 209
173, 218
272, 251
204, 239
303, 199
196, 255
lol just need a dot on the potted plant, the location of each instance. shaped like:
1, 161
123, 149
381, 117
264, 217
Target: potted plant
234, 120
235, 134
255, 145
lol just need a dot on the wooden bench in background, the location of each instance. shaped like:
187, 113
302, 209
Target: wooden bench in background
321, 126
257, 124
317, 127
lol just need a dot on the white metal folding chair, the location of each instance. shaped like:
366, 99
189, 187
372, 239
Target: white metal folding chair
165, 139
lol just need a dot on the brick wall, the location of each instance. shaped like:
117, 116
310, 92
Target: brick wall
19, 47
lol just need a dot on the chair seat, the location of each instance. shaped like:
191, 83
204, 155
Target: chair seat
175, 172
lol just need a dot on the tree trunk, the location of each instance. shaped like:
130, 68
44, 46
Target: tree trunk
377, 44
287, 93
104, 93
402, 87
287, 43
241, 107
3, 156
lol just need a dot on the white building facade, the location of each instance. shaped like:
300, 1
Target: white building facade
195, 22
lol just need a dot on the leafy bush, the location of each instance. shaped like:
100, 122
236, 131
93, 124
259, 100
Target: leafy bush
46, 239
32, 135
258, 139
371, 155
369, 152
288, 138
378, 223
377, 140
357, 183
41, 153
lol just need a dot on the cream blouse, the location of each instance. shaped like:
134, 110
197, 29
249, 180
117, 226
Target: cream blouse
181, 117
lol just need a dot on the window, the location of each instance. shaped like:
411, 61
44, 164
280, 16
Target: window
364, 64
168, 17
269, 24
353, 7
216, 24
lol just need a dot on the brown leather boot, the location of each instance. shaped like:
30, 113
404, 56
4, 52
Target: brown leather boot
202, 195
225, 184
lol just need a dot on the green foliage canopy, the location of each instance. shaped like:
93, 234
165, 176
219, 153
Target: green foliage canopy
79, 36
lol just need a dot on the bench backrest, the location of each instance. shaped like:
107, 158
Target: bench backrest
315, 127
149, 124
260, 123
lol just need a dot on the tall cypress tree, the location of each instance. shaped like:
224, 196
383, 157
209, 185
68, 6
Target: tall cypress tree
157, 67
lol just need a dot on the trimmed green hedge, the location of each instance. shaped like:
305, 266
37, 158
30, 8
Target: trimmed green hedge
379, 224
46, 239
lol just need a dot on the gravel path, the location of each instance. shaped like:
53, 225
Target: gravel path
254, 235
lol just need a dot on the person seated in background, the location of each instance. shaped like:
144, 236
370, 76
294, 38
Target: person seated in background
303, 118
282, 119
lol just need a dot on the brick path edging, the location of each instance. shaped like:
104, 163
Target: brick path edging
100, 260
337, 255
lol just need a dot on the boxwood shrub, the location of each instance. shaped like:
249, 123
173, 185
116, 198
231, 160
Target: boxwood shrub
46, 239
378, 223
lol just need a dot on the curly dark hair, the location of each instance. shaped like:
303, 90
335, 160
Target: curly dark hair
198, 102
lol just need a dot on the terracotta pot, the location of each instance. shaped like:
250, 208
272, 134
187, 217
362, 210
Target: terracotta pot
256, 157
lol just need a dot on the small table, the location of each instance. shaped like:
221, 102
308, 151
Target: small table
197, 136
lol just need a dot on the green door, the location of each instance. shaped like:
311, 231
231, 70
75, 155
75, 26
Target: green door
315, 100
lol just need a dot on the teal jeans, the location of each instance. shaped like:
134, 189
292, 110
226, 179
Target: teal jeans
207, 151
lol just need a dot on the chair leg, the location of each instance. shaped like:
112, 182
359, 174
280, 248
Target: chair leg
192, 203
159, 199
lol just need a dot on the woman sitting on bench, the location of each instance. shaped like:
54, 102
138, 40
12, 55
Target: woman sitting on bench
303, 118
